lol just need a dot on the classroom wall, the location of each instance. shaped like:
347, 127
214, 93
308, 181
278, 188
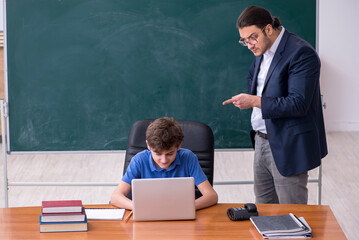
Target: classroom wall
339, 52
2, 86
1, 15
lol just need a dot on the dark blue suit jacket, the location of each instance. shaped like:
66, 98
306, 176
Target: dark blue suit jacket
291, 106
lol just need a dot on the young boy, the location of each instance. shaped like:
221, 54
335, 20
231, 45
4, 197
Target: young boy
164, 159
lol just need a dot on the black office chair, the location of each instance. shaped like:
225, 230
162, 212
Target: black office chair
198, 137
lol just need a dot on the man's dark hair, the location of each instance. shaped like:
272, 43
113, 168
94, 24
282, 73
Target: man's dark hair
163, 134
257, 16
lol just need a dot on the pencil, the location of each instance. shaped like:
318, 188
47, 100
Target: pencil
128, 217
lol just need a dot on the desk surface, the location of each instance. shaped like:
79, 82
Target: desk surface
210, 223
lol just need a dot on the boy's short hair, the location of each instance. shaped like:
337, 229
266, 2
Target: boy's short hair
163, 134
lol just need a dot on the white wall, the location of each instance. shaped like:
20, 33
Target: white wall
339, 53
1, 15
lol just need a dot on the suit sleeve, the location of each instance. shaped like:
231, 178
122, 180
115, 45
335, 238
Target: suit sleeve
302, 71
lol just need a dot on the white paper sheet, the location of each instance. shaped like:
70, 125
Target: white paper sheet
105, 213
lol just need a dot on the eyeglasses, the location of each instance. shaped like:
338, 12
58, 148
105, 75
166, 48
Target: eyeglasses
252, 39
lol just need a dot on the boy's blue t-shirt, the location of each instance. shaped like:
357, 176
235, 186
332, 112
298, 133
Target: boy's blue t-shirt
185, 165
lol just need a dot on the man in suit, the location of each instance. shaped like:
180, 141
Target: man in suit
287, 119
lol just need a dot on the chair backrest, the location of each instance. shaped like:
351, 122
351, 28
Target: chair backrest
198, 137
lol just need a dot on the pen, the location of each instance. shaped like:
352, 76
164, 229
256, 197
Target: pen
303, 225
128, 217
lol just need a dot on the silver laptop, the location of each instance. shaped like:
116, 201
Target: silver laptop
163, 199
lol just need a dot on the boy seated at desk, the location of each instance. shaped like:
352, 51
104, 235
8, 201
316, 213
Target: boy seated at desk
164, 159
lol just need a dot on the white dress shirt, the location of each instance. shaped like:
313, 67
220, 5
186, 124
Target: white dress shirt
257, 121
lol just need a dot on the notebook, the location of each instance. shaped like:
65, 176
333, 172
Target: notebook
156, 199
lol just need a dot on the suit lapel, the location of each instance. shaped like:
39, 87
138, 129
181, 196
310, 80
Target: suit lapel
255, 75
277, 57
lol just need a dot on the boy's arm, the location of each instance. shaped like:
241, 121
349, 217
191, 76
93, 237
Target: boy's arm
118, 197
209, 196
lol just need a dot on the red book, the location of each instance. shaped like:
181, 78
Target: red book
63, 206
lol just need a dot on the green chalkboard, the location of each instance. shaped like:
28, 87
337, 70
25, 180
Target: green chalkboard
80, 72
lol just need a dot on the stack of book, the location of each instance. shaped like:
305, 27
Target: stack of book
283, 226
63, 216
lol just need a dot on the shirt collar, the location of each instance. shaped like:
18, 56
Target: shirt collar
154, 168
273, 49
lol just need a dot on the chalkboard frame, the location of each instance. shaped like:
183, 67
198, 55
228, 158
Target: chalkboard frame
221, 140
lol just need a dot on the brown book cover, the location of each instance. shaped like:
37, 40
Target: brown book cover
63, 226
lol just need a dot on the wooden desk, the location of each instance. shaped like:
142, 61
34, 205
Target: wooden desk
211, 223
